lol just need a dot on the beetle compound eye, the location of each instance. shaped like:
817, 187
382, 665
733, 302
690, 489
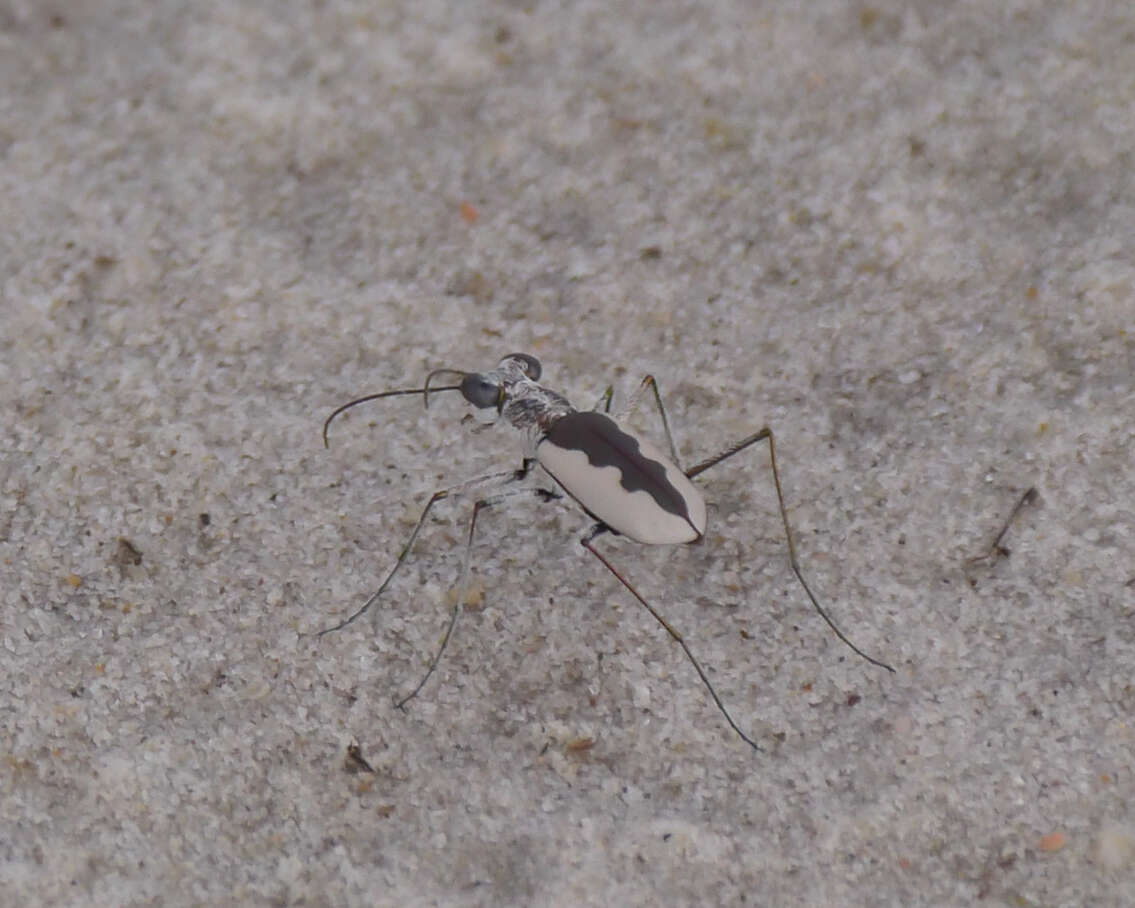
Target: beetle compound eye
529, 364
479, 391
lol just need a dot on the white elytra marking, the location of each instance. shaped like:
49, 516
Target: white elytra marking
635, 515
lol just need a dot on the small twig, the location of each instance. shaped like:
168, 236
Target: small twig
996, 549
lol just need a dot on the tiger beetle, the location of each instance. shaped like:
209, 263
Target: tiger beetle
622, 481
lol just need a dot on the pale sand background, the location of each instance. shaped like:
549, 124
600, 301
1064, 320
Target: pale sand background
899, 233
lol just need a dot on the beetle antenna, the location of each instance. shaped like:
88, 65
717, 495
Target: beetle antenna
429, 378
425, 392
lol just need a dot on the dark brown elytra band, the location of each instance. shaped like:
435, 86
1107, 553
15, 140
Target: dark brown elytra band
606, 445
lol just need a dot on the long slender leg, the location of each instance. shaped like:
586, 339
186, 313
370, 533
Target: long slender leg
762, 435
504, 476
478, 506
666, 625
649, 382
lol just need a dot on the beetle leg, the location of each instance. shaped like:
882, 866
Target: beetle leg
762, 435
667, 626
480, 505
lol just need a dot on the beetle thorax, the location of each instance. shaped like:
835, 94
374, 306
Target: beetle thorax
513, 389
531, 406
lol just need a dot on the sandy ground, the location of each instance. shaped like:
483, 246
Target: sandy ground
899, 233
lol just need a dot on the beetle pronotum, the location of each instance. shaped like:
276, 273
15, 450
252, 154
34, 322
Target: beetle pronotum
621, 480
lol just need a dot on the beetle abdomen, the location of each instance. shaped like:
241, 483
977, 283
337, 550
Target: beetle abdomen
622, 480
